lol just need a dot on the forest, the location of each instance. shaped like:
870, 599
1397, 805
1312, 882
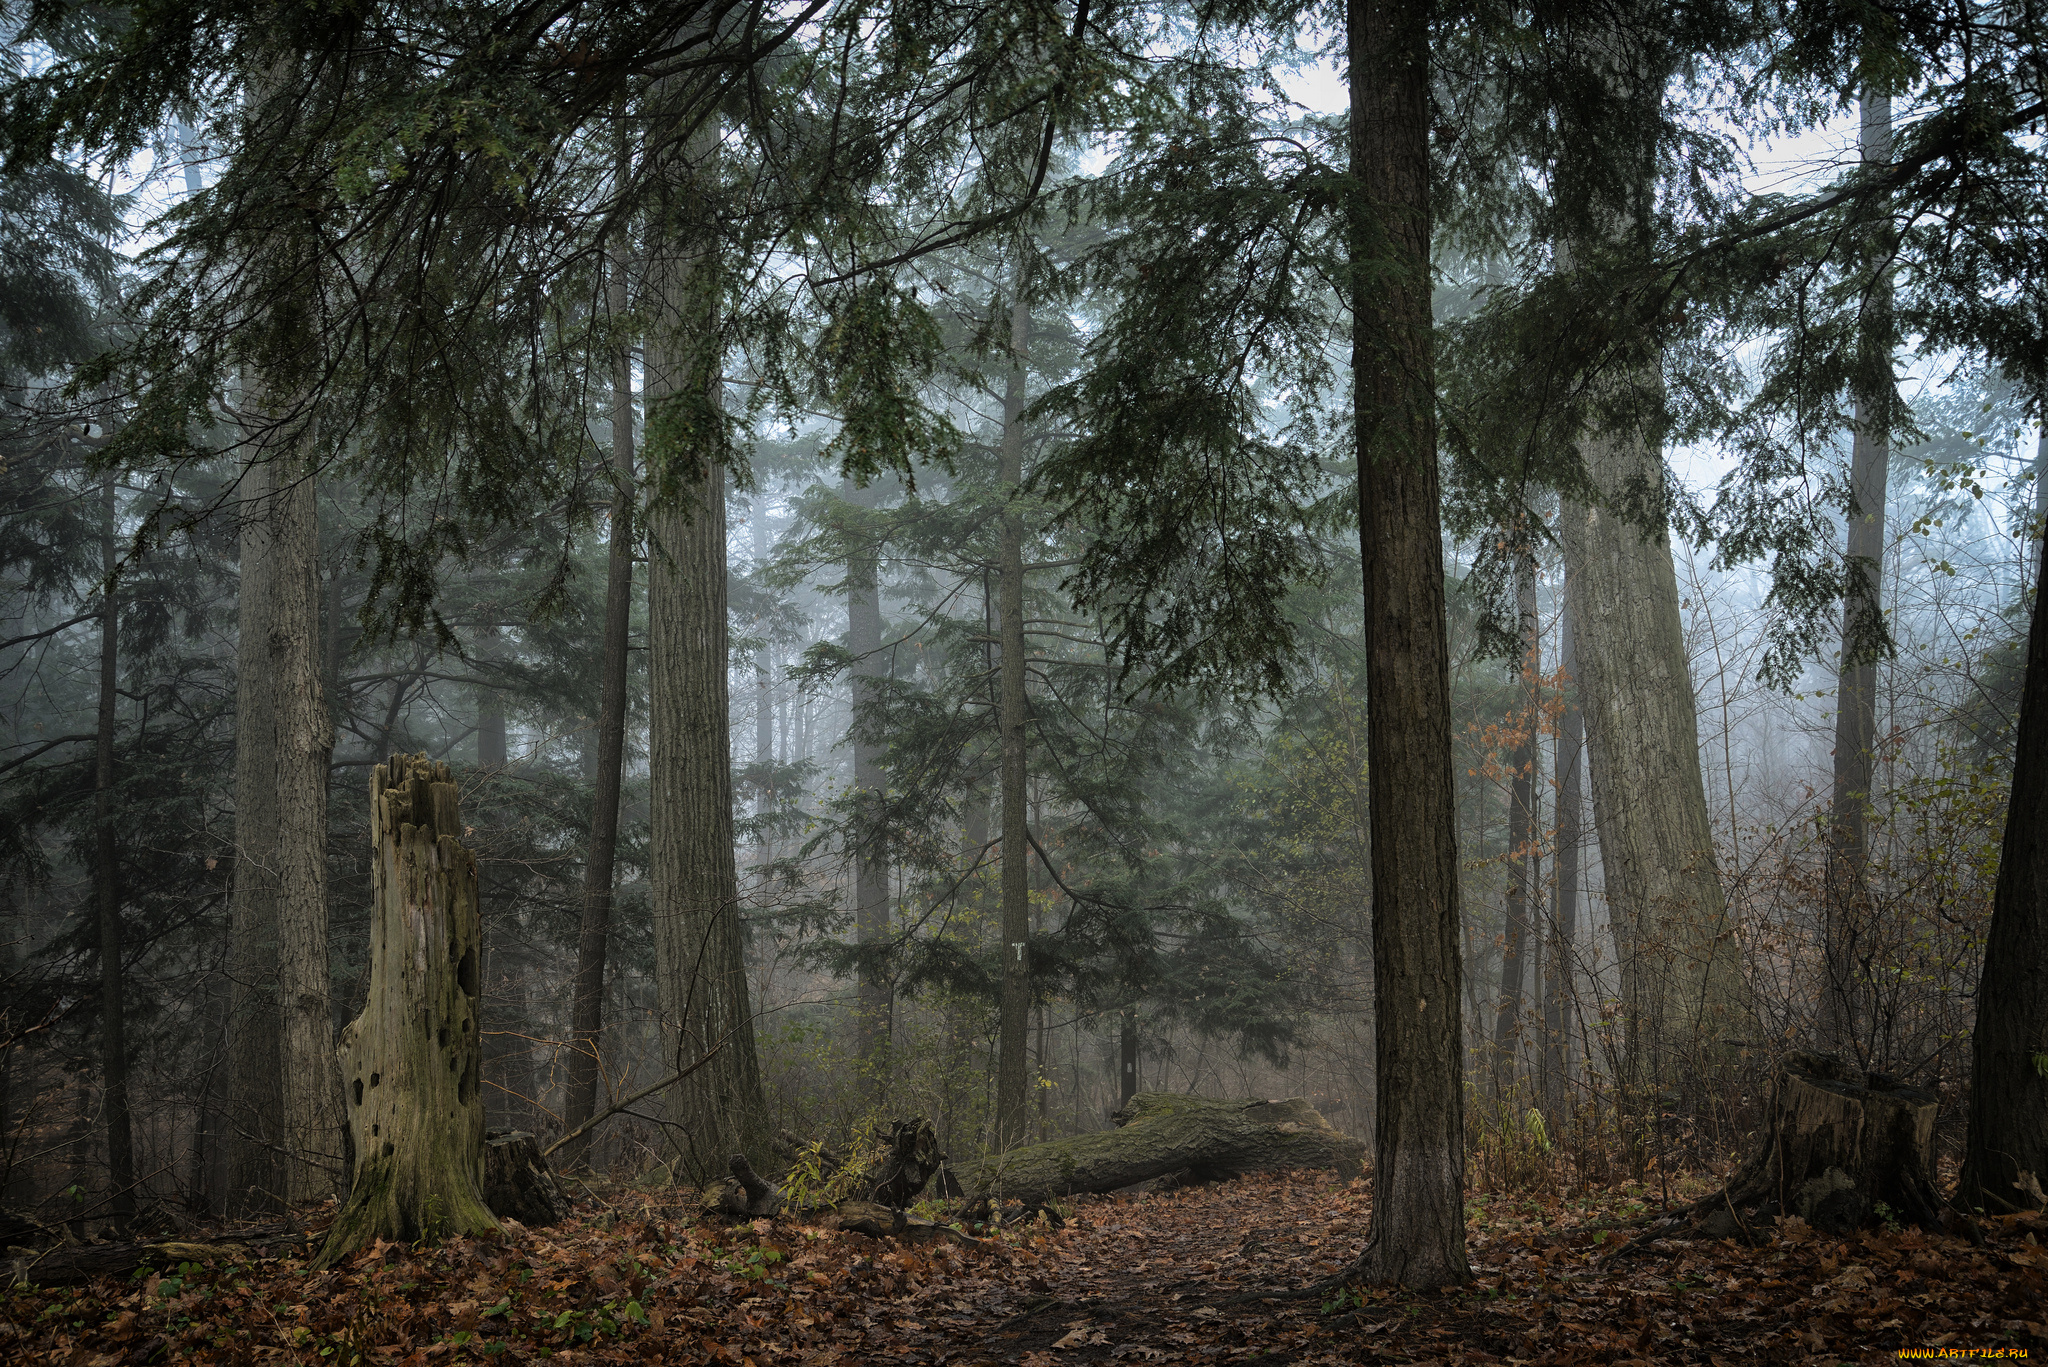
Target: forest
1023, 681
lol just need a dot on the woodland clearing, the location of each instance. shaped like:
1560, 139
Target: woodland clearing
1208, 1274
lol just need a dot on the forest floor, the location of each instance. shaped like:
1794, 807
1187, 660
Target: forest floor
1198, 1276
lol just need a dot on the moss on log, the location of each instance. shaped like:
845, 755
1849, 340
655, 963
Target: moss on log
1159, 1133
411, 1061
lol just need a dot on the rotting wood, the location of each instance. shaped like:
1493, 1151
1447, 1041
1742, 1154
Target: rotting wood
1161, 1133
410, 1062
518, 1184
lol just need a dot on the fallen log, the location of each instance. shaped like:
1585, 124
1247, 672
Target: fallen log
1160, 1133
68, 1264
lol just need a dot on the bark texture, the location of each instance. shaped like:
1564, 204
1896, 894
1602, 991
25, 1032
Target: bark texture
2005, 1157
106, 877
875, 1002
1014, 1013
517, 1183
1521, 941
1162, 1133
594, 930
254, 1110
1844, 1000
1557, 993
700, 969
305, 745
1684, 996
413, 1059
1419, 1216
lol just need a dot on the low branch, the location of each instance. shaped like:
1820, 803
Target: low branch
608, 1112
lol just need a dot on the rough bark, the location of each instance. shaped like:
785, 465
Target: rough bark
1839, 1144
1419, 1216
1844, 999
586, 1027
700, 969
1127, 1053
254, 1109
2005, 1156
1684, 996
908, 1164
1557, 993
517, 1183
413, 1059
875, 1003
1162, 1133
1014, 1012
313, 1116
106, 879
1522, 859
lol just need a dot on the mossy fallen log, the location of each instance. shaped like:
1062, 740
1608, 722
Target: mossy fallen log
1161, 1133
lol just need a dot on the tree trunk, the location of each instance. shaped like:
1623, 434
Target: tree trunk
594, 931
413, 1058
1163, 1133
1014, 1014
1845, 993
1419, 1213
699, 943
1557, 995
1683, 991
106, 877
1127, 1053
1521, 836
254, 1109
2005, 1157
871, 861
305, 745
1839, 1144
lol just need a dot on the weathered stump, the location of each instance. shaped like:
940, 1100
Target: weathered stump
1159, 1133
518, 1184
912, 1157
1843, 1150
410, 1062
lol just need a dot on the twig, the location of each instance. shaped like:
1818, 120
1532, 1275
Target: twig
608, 1112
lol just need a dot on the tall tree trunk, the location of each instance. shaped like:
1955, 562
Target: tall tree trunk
1522, 857
871, 860
1014, 1013
1682, 984
1418, 1237
699, 942
1557, 995
1127, 1052
594, 933
254, 1110
1845, 993
106, 877
764, 689
2005, 1155
313, 1116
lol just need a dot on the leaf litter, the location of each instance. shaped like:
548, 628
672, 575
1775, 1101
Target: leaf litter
1211, 1274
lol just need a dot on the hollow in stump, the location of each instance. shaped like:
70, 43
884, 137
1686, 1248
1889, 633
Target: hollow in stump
410, 1062
1843, 1150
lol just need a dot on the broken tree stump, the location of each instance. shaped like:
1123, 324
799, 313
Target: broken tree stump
518, 1184
908, 1164
1160, 1133
411, 1061
1843, 1149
